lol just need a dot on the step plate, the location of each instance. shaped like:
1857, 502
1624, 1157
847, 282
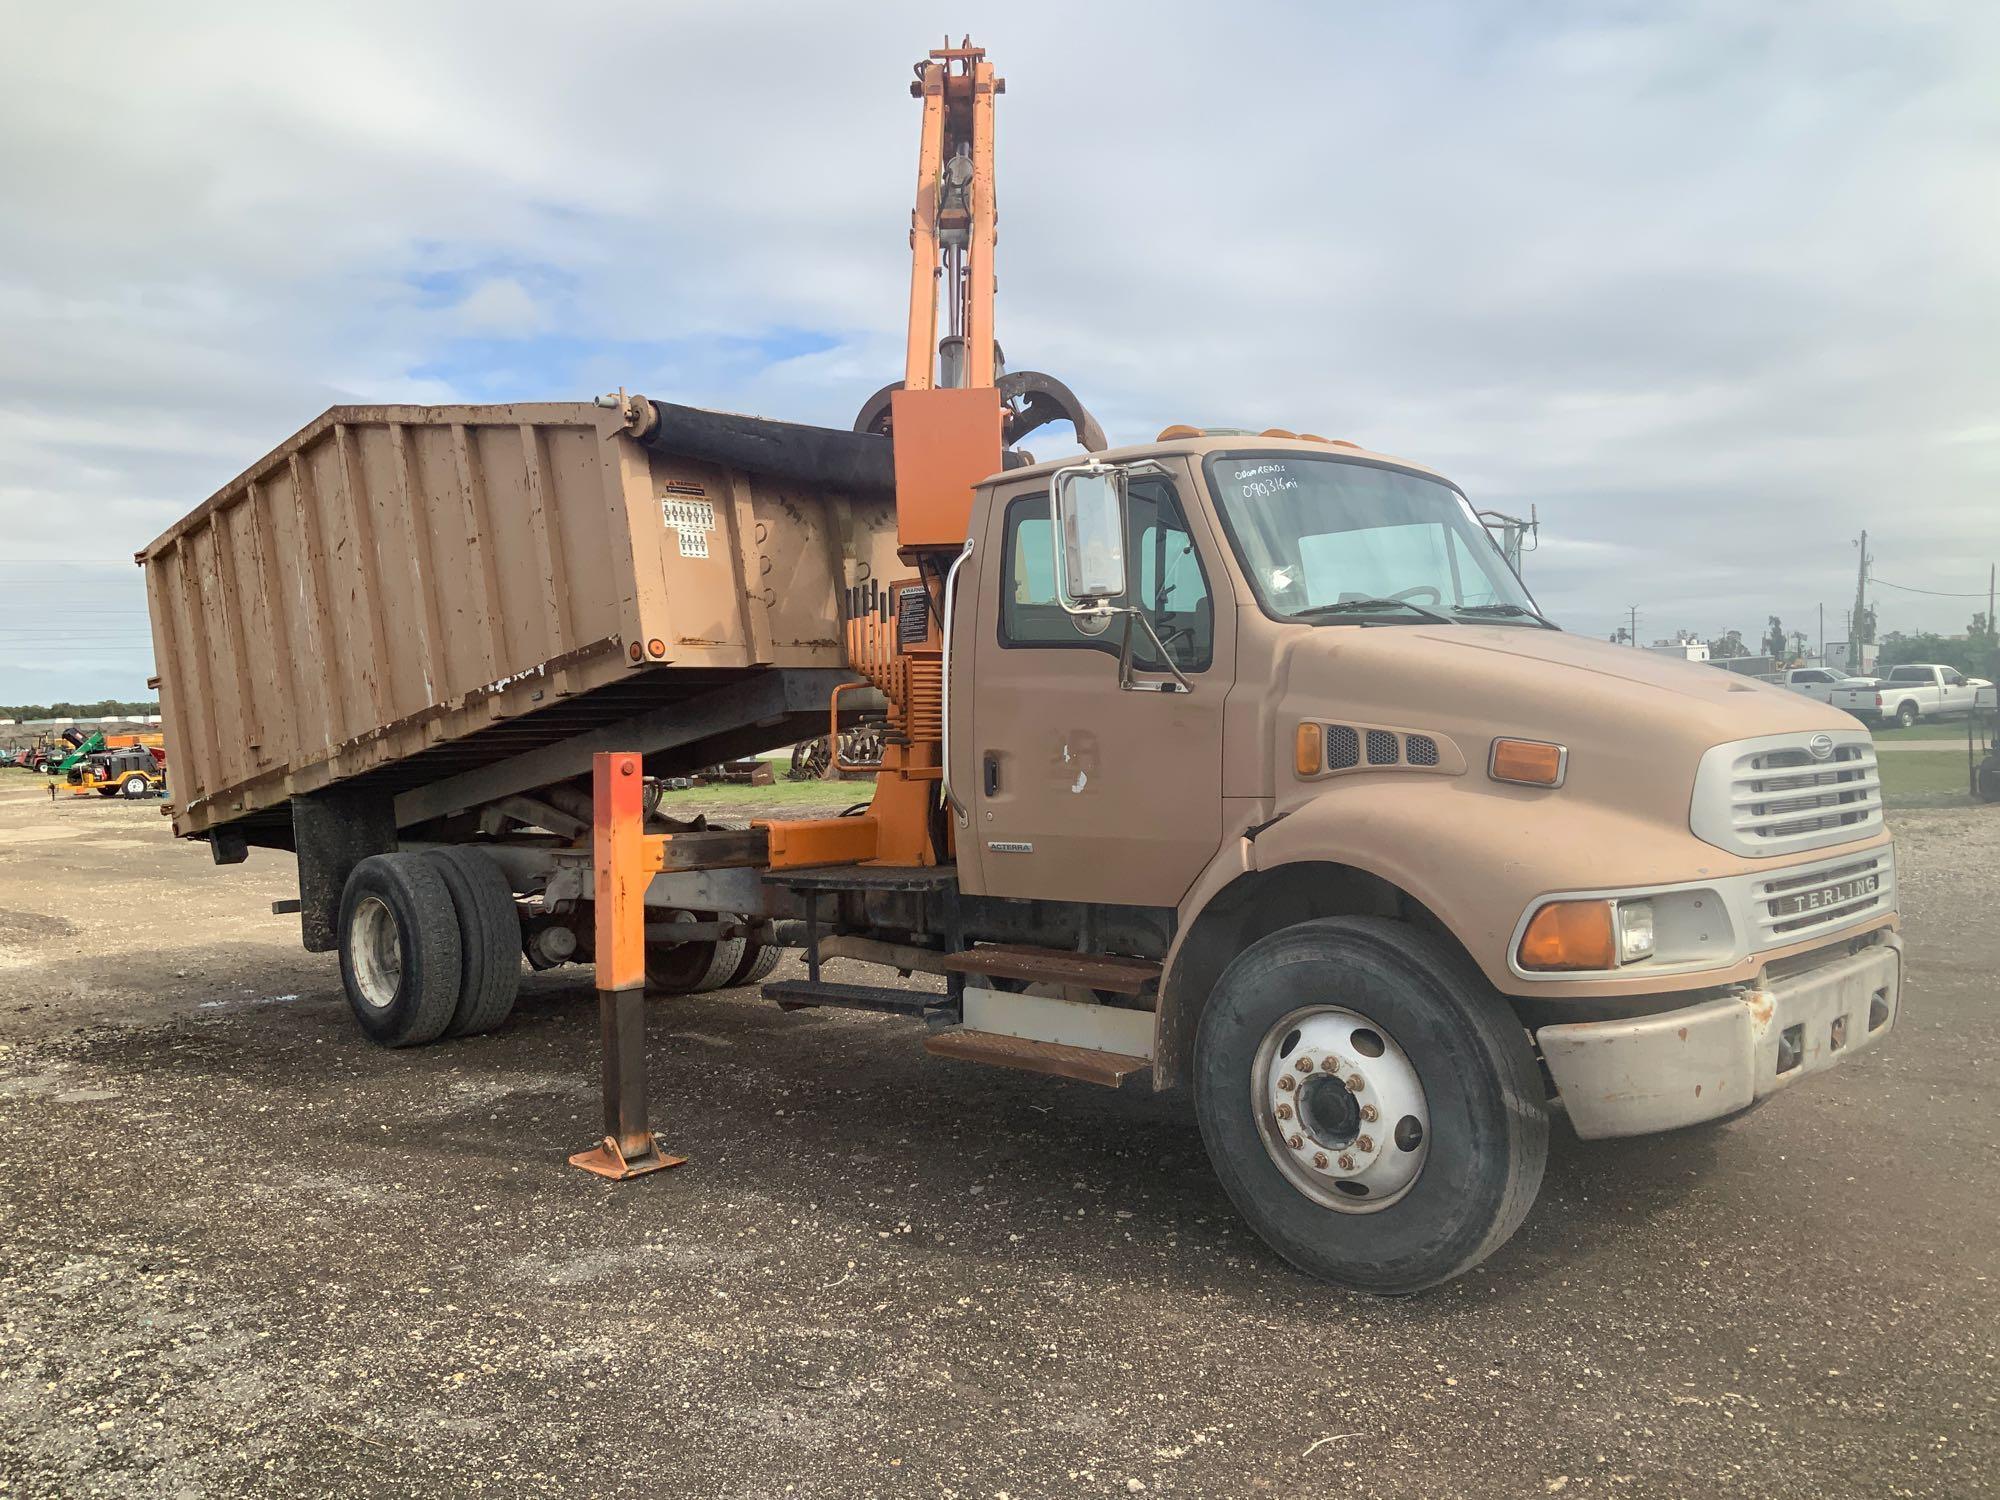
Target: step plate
1085, 1065
1121, 976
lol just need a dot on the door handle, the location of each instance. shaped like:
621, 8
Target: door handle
990, 774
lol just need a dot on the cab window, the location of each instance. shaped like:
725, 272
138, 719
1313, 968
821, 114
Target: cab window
1167, 580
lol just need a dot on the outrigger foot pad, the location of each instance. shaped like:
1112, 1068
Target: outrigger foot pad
607, 1159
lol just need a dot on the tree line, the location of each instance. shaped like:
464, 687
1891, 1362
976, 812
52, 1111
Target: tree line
1972, 654
106, 709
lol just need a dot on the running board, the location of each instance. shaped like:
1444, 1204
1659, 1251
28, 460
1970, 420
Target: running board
1084, 1064
1097, 971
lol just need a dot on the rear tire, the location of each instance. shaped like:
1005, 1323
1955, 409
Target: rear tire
1906, 716
489, 939
399, 949
693, 967
1405, 1014
759, 960
136, 787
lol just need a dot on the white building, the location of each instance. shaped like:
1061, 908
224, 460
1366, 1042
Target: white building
1685, 650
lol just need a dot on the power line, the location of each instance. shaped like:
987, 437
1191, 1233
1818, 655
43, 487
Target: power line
1934, 593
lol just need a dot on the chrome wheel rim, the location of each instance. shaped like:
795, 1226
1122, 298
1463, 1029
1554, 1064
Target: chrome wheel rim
1340, 1109
377, 952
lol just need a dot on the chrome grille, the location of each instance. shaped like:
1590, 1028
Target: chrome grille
1817, 795
1775, 901
1773, 796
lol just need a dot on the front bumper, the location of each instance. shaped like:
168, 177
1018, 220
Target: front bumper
1679, 1067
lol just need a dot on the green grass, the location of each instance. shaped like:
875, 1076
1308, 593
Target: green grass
1925, 780
781, 799
1946, 729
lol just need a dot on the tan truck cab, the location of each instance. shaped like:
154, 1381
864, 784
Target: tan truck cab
1264, 681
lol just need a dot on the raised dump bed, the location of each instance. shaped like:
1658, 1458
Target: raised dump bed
437, 606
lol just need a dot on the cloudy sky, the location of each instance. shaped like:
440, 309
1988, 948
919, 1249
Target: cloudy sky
1711, 286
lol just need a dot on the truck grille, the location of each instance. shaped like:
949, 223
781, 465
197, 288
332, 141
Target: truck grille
1801, 903
1774, 796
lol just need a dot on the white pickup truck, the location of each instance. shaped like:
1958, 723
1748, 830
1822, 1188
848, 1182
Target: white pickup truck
1916, 690
1816, 682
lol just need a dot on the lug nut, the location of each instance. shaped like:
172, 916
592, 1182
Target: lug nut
1355, 1083
1332, 1065
1288, 1083
1305, 1065
1364, 1143
1319, 1160
1370, 1113
1284, 1111
1346, 1162
1296, 1142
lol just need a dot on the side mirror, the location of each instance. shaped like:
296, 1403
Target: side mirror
1090, 538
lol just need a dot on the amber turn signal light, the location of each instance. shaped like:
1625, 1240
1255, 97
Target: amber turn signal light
1570, 935
1528, 762
1306, 750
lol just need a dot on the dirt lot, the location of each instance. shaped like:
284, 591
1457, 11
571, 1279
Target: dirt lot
245, 1252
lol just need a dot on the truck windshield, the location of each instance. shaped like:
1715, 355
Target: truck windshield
1331, 540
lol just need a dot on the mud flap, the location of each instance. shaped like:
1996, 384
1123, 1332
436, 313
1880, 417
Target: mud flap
334, 831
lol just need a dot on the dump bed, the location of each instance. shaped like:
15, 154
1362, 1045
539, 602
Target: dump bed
404, 594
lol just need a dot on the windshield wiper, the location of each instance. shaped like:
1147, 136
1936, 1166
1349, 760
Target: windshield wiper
1516, 611
1369, 606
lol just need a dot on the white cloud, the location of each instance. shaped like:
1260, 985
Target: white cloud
499, 305
1710, 286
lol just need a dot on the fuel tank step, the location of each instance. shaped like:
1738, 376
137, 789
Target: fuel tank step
1097, 971
1084, 1064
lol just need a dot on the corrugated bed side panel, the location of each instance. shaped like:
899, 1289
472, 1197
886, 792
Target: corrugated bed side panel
394, 577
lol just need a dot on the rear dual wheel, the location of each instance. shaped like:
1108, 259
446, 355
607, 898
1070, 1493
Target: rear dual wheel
1371, 1105
429, 946
694, 966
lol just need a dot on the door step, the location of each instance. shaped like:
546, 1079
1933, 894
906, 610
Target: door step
800, 994
1097, 971
1084, 1064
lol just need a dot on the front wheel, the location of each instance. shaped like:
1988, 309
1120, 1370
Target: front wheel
1371, 1106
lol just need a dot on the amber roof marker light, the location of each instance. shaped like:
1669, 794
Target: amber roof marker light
1528, 762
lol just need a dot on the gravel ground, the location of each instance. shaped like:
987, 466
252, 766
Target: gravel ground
247, 1253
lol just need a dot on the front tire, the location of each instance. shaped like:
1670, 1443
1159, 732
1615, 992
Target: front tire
1459, 1138
399, 949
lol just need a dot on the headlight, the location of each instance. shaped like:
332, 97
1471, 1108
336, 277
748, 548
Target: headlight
1589, 935
1635, 931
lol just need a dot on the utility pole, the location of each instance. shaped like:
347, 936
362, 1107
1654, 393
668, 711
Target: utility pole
1856, 661
1632, 633
1822, 635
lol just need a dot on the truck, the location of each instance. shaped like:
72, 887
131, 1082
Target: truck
1815, 682
1235, 764
1913, 691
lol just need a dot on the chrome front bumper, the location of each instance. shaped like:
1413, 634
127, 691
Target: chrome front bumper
1679, 1067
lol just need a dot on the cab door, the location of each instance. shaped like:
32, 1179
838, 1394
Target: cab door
1078, 789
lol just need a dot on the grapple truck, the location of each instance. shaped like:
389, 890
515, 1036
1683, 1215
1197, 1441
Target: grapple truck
1238, 761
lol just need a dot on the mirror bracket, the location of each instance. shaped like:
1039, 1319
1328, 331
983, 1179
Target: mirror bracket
1126, 681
